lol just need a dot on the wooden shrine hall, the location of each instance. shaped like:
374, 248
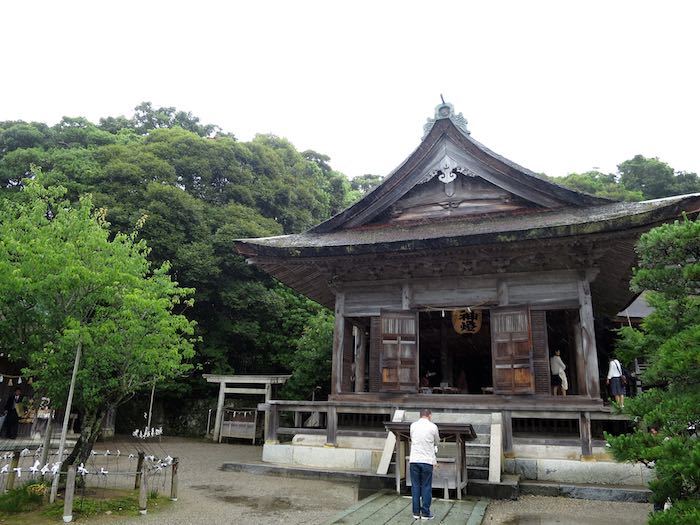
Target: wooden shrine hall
456, 278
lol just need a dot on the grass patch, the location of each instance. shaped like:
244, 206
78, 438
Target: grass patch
93, 506
23, 499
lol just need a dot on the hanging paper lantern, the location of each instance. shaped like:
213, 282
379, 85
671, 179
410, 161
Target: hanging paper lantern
19, 381
466, 321
9, 382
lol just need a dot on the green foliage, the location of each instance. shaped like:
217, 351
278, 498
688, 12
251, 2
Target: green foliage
199, 190
311, 360
599, 184
25, 498
669, 341
682, 513
66, 283
655, 179
637, 179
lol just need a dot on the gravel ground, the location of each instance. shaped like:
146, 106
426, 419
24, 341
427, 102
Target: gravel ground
208, 495
540, 510
211, 496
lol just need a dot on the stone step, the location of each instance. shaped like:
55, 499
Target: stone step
474, 472
477, 461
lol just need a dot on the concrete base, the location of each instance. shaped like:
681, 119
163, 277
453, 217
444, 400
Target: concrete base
585, 491
574, 471
308, 451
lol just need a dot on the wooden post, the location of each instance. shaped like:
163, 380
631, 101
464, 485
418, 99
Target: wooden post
397, 465
139, 470
338, 344
590, 351
360, 359
271, 428
507, 433
174, 480
66, 418
143, 493
445, 369
332, 427
68, 495
46, 445
219, 411
268, 398
11, 474
584, 423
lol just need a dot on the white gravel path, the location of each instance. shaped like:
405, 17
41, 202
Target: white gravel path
208, 495
540, 510
211, 496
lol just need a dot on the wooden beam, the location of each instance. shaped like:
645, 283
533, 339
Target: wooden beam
507, 432
263, 379
502, 293
271, 428
219, 412
331, 427
338, 344
360, 358
590, 351
237, 390
406, 296
585, 432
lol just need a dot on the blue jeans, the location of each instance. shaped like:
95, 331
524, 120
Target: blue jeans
421, 487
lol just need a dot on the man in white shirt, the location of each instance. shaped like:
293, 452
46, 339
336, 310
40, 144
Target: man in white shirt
424, 440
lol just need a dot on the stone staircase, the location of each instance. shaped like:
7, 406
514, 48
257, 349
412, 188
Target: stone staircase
477, 452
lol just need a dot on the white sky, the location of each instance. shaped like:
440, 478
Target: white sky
555, 86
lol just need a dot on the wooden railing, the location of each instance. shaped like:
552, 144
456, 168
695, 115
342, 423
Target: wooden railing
581, 412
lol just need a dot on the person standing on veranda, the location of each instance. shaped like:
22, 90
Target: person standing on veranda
424, 440
616, 381
557, 367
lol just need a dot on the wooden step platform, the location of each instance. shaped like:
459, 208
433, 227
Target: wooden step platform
385, 508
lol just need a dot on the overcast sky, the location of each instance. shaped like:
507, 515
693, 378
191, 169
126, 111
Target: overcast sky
554, 86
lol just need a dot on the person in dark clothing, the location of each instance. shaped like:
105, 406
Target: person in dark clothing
11, 415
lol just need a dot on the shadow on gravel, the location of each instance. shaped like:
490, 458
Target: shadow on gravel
258, 503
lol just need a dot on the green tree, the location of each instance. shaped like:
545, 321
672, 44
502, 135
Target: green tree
599, 184
67, 283
655, 179
669, 340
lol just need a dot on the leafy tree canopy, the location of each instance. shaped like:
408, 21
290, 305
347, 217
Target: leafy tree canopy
199, 189
66, 284
669, 341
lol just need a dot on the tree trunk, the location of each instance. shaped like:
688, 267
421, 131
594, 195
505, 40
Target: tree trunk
89, 432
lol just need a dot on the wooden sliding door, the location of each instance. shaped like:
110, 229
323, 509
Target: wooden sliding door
511, 351
398, 356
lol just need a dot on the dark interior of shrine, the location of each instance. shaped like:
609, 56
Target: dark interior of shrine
463, 361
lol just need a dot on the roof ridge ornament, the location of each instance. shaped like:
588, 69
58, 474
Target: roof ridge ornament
445, 110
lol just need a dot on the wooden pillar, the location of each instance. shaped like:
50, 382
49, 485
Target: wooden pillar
139, 470
360, 358
580, 360
338, 344
406, 297
68, 495
584, 422
507, 433
143, 493
174, 480
445, 370
268, 397
590, 352
271, 428
219, 411
332, 427
11, 475
348, 357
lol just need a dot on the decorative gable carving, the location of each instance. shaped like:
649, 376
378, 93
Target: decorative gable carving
452, 193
